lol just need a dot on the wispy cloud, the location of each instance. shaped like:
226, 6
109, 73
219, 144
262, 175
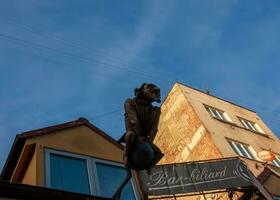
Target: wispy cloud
131, 46
228, 46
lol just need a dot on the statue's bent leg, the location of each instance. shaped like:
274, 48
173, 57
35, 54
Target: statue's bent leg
157, 157
130, 138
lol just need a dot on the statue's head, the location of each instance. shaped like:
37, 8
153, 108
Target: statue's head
148, 92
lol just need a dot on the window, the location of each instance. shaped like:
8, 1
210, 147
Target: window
87, 175
276, 161
241, 149
109, 178
69, 173
218, 114
251, 125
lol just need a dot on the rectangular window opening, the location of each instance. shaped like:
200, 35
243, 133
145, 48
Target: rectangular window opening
86, 175
218, 114
68, 173
241, 149
252, 126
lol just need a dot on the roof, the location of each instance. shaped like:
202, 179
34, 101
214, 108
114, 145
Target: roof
28, 192
21, 138
215, 97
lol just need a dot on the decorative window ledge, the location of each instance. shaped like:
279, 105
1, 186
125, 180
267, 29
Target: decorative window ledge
258, 162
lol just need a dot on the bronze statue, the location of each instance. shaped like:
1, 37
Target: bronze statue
141, 121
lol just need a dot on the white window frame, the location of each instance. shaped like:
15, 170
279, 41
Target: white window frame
218, 114
246, 148
252, 126
244, 124
71, 155
91, 169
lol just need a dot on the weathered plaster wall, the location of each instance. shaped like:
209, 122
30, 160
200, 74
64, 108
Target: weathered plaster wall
182, 136
30, 174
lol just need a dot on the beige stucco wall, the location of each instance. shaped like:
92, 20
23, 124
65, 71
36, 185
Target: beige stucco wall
80, 140
30, 174
220, 131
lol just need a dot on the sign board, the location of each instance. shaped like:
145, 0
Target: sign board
196, 177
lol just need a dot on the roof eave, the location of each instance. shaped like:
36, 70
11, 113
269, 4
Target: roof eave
12, 159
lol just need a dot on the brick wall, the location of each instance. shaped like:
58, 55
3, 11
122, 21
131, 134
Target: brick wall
181, 136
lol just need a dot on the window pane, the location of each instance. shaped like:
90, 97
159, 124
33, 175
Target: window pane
244, 123
234, 148
276, 163
249, 154
251, 126
212, 113
68, 173
241, 150
110, 178
219, 115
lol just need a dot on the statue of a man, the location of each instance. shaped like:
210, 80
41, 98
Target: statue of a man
141, 121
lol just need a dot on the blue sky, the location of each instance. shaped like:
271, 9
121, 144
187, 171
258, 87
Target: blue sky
61, 60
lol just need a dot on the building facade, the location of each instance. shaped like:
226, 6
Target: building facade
195, 125
73, 160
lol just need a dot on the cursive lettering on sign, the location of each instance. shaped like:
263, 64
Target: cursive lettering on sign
160, 178
193, 177
205, 174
